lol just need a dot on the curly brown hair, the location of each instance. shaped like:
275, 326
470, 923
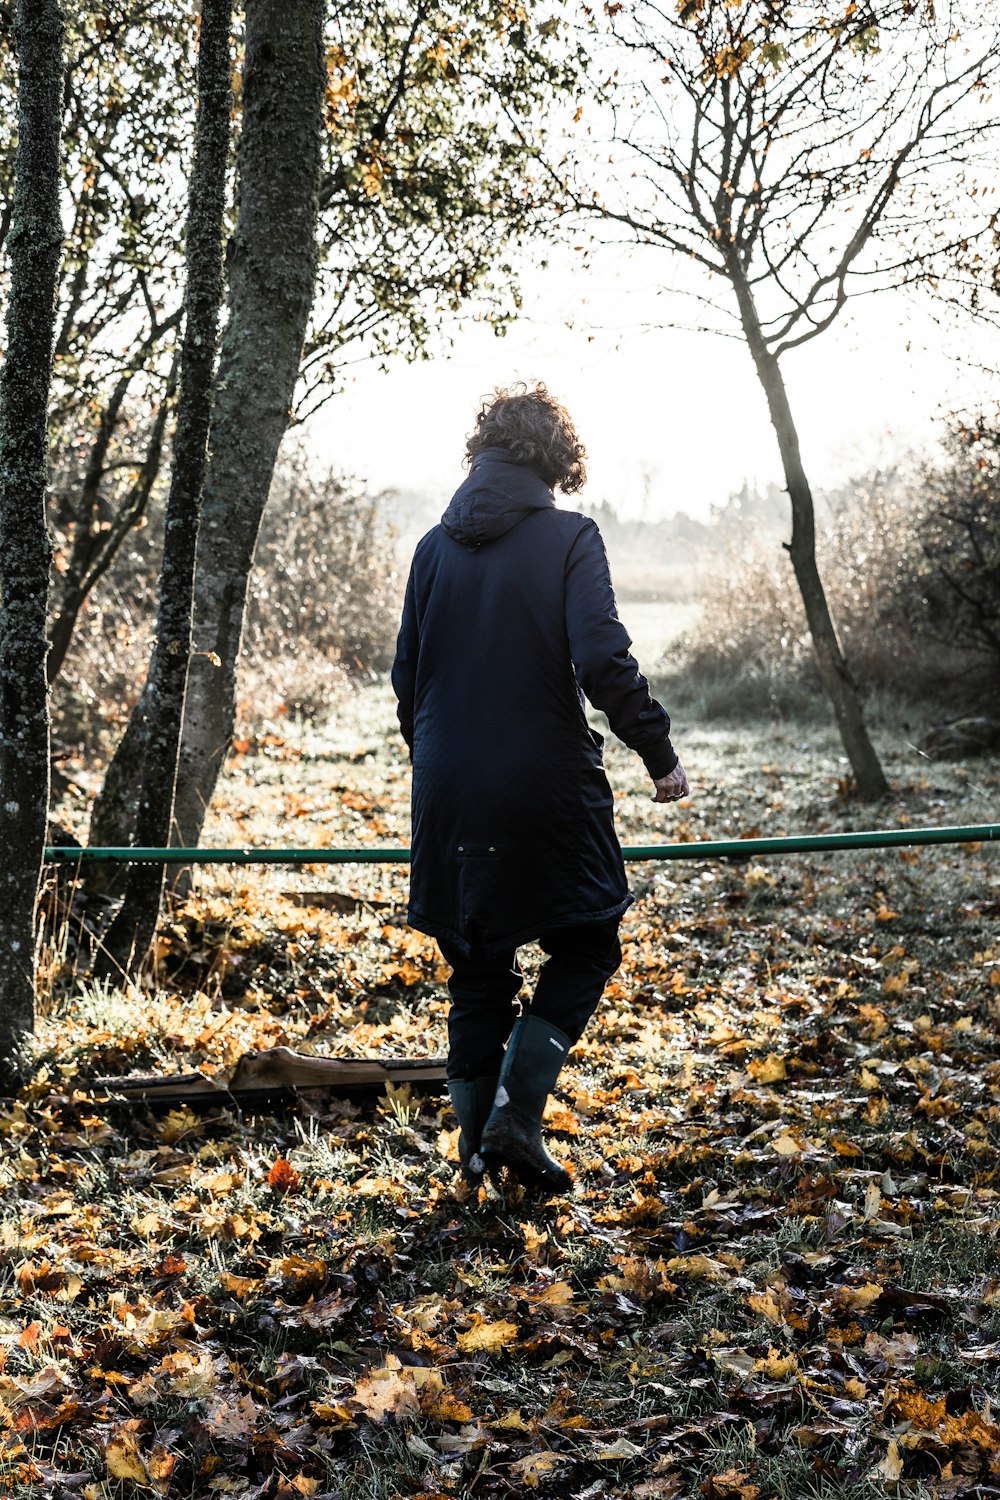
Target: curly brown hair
535, 430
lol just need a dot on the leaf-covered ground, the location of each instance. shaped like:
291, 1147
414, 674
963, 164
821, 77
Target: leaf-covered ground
776, 1275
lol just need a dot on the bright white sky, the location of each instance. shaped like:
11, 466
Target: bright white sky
676, 417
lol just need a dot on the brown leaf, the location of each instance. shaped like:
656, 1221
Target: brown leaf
387, 1392
532, 1469
734, 1484
232, 1421
445, 1406
240, 1286
300, 1277
669, 1487
325, 1313
283, 1177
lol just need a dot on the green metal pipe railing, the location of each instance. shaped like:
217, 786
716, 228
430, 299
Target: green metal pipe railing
812, 843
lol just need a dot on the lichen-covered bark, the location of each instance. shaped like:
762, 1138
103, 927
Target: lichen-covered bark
34, 244
130, 935
272, 273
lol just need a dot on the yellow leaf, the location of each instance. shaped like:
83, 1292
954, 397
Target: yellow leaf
45, 1383
770, 1069
558, 1117
732, 1485
776, 1366
147, 1226
219, 1183
891, 1467
858, 1298
787, 1144
122, 1456
490, 1336
535, 1240
161, 1465
558, 1294
234, 1421
511, 1421
186, 1376
766, 1305
669, 1487
332, 1414
874, 1018
387, 1392
698, 1267
177, 1122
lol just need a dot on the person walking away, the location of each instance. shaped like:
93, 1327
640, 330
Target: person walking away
509, 622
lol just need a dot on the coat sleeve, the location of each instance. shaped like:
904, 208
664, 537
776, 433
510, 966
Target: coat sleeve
605, 668
404, 666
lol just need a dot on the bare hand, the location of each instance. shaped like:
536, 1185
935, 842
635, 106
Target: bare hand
673, 787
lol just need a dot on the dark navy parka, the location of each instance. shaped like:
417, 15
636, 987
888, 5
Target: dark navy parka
509, 619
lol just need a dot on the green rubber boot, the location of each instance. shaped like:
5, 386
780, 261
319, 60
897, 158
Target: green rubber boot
472, 1100
512, 1134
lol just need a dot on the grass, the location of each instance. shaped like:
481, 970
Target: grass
783, 1040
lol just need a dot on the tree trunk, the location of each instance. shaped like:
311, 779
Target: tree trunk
272, 281
272, 272
25, 551
112, 818
833, 667
128, 939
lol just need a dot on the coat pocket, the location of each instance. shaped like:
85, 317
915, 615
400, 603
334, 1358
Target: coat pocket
481, 885
477, 851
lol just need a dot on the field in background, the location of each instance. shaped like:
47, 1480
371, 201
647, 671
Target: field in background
654, 625
776, 1276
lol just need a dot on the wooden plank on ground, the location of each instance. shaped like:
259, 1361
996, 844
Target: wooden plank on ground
276, 1075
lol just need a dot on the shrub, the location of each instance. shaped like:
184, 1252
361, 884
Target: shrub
956, 582
323, 608
326, 582
910, 557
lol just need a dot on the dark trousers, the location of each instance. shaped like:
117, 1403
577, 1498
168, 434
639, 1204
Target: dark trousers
581, 959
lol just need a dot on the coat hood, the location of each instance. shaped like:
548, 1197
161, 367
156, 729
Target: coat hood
497, 494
